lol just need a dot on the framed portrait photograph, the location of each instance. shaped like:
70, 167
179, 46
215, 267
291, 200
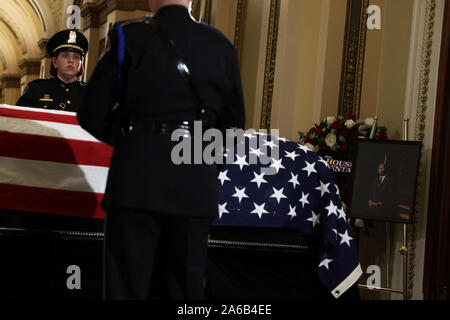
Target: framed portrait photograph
384, 180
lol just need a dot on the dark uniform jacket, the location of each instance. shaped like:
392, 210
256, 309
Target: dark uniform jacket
142, 175
53, 94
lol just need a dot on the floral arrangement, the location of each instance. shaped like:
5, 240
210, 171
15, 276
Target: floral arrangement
336, 137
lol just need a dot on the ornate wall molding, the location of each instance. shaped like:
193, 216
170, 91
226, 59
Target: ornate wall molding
424, 80
95, 14
3, 60
353, 57
241, 12
14, 29
269, 72
9, 81
30, 66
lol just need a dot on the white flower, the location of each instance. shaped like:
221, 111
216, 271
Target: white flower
369, 122
330, 120
309, 146
335, 147
363, 129
359, 223
349, 124
342, 139
330, 139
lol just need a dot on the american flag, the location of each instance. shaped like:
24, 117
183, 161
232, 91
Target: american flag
295, 189
49, 164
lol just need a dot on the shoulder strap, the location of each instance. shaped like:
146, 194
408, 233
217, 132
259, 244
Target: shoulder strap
120, 55
180, 64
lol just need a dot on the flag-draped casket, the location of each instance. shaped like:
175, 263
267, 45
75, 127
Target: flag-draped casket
49, 164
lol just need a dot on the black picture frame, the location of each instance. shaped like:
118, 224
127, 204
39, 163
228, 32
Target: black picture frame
390, 196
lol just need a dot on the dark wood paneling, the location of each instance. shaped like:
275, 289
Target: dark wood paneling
437, 254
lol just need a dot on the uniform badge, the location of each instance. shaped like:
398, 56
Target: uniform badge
46, 98
72, 37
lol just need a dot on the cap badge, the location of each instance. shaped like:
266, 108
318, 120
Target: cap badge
72, 37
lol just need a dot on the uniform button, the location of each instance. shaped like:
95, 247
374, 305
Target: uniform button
45, 107
69, 102
67, 90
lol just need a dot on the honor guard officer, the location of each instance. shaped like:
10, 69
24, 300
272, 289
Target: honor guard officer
152, 204
67, 50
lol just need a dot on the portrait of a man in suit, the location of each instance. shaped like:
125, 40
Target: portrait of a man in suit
381, 195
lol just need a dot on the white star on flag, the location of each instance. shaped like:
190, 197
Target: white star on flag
309, 168
304, 199
345, 238
342, 214
278, 194
325, 263
324, 162
282, 139
277, 164
292, 213
294, 180
270, 144
256, 151
241, 161
323, 188
240, 193
223, 177
259, 210
291, 155
314, 219
303, 148
259, 178
332, 209
222, 209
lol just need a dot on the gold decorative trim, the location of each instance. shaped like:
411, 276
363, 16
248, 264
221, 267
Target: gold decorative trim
207, 13
424, 80
353, 57
241, 12
10, 81
271, 55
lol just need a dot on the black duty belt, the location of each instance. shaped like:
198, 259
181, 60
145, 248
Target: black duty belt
158, 127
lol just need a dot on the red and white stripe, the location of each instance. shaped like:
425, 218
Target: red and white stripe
49, 164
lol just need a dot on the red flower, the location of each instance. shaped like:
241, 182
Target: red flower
354, 135
336, 125
308, 140
344, 133
382, 135
352, 117
313, 130
344, 147
323, 146
319, 131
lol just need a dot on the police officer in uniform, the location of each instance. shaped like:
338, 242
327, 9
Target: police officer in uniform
67, 50
153, 205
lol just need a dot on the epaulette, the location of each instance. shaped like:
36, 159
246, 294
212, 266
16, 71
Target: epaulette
131, 21
37, 81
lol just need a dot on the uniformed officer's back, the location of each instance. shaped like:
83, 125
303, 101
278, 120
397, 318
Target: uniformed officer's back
153, 79
153, 203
